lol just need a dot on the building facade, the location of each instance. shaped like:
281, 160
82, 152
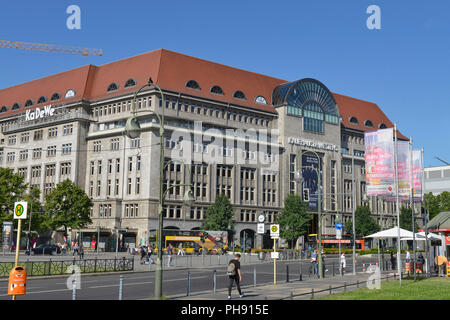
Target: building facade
230, 131
437, 179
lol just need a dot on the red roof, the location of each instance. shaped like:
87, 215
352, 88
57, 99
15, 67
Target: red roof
171, 71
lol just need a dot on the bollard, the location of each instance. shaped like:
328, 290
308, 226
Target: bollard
189, 284
312, 293
292, 295
74, 289
287, 273
214, 281
345, 286
330, 289
333, 268
121, 287
301, 272
254, 276
357, 283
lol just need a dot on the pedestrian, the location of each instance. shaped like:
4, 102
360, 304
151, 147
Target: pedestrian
180, 249
64, 246
149, 254
234, 275
314, 260
81, 252
75, 249
343, 262
393, 262
143, 254
169, 252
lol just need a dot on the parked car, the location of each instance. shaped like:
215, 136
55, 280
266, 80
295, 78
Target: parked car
45, 249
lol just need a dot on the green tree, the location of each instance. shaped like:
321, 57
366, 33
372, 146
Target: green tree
12, 188
68, 206
39, 220
406, 219
219, 216
294, 219
437, 204
364, 222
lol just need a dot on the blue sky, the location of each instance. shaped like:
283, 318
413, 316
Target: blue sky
403, 67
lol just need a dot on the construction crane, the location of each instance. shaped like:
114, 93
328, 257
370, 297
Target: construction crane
50, 48
448, 164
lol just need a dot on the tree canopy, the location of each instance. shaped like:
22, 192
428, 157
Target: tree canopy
12, 189
294, 219
219, 216
68, 206
437, 204
364, 222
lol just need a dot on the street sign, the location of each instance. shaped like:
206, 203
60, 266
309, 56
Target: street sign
275, 255
275, 231
339, 225
338, 234
20, 210
260, 228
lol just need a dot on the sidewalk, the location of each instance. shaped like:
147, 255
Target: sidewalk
284, 290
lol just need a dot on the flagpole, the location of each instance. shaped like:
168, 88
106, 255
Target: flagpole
425, 213
411, 199
399, 259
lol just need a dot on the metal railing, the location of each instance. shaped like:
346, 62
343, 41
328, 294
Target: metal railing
60, 267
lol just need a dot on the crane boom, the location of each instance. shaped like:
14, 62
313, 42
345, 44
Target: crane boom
49, 48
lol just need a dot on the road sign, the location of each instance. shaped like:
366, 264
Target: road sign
338, 234
20, 210
339, 225
275, 255
275, 231
260, 228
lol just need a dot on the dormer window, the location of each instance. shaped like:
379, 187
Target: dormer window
42, 100
239, 95
217, 90
113, 87
29, 103
130, 83
382, 126
260, 100
192, 84
368, 123
16, 106
55, 96
353, 120
70, 94
4, 109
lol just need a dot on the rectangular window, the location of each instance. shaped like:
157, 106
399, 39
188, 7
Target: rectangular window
129, 185
138, 185
38, 135
37, 153
99, 167
67, 148
99, 184
53, 132
51, 151
67, 129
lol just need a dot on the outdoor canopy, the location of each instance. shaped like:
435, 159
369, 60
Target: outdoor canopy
393, 233
431, 236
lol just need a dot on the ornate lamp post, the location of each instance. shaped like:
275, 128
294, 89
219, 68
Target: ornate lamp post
133, 130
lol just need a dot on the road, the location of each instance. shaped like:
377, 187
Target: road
140, 285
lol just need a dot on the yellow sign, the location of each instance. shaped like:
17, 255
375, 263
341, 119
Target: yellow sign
20, 210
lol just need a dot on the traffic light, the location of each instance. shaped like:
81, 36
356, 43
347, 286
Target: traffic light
202, 235
306, 195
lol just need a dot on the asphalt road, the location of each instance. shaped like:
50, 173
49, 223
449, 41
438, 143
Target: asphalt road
141, 285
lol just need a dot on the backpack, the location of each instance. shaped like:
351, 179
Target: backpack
231, 270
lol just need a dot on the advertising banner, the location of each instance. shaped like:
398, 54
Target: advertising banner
220, 238
404, 170
310, 180
417, 175
379, 157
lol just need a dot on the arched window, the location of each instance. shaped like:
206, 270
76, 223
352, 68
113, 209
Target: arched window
29, 103
70, 94
42, 100
192, 84
55, 96
217, 90
260, 100
112, 87
353, 120
130, 83
16, 106
313, 117
239, 95
368, 123
4, 109
382, 126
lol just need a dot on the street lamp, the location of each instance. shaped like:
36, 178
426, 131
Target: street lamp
298, 178
133, 130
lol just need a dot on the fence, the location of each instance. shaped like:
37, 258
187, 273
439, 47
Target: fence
50, 267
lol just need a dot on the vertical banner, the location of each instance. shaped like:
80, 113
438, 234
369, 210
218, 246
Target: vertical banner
404, 171
379, 157
417, 175
310, 180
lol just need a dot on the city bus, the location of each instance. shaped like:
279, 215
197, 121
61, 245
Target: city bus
213, 241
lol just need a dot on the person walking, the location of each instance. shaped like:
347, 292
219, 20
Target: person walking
393, 260
314, 261
343, 263
149, 253
75, 249
169, 252
234, 275
180, 250
143, 254
81, 252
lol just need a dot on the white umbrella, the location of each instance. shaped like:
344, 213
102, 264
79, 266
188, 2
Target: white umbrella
392, 233
421, 236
